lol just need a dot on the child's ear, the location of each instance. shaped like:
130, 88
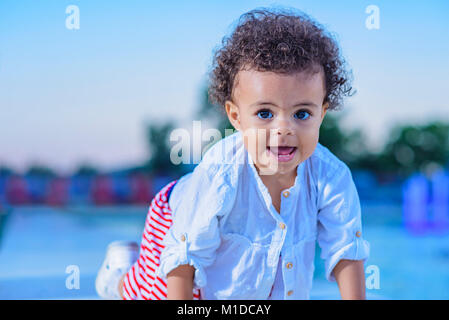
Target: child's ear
233, 114
324, 110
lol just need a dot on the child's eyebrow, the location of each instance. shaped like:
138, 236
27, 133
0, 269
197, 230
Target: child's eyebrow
304, 103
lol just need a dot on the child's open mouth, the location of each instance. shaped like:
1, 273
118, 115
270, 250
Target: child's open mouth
282, 154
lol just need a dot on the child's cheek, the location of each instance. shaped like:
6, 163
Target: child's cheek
309, 146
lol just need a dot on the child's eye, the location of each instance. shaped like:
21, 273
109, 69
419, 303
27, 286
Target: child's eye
264, 114
302, 115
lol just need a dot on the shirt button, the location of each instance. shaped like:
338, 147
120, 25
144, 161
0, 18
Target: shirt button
358, 234
286, 194
183, 238
281, 225
290, 293
289, 265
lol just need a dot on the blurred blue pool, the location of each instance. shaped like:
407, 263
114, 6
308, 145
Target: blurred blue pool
38, 246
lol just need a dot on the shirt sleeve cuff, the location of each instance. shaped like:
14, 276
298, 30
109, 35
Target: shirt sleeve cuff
357, 250
172, 259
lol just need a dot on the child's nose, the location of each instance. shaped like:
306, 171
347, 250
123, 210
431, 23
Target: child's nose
284, 127
284, 131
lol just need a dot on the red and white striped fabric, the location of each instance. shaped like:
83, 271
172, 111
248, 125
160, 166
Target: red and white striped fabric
141, 282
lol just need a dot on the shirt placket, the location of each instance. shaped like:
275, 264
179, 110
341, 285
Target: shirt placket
274, 252
277, 241
287, 257
279, 235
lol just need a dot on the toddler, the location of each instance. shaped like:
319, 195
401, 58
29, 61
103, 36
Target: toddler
245, 222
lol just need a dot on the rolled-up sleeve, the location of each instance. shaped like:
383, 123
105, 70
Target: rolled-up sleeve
194, 235
339, 222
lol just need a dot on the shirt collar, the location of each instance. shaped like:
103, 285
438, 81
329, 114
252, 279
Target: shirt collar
261, 186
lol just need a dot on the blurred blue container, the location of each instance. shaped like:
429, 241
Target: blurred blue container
415, 205
121, 188
365, 182
37, 188
79, 189
439, 218
3, 180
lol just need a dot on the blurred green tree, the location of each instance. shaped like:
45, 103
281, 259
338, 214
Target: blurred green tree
214, 113
6, 171
40, 170
158, 139
412, 148
158, 136
348, 146
86, 169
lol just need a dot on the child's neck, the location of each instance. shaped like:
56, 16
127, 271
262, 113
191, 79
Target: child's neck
276, 184
282, 181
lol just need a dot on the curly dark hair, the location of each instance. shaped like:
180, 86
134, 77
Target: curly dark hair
282, 41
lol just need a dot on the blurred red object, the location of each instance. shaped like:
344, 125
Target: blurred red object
16, 191
58, 192
140, 189
102, 190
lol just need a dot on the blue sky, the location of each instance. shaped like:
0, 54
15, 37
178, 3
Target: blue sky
73, 96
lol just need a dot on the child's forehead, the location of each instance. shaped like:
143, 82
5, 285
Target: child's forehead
252, 84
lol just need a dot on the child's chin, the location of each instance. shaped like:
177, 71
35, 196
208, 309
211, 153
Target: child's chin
277, 169
270, 166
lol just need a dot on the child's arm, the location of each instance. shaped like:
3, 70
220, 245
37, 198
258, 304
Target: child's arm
191, 242
350, 277
180, 283
340, 234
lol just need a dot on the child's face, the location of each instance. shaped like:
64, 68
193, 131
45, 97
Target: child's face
275, 111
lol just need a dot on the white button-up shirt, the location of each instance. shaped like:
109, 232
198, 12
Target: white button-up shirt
225, 225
